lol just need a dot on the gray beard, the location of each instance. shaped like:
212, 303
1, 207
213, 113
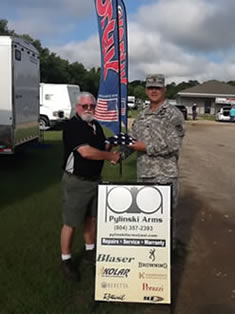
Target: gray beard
87, 117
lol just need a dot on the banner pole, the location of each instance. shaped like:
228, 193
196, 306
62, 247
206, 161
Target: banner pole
119, 83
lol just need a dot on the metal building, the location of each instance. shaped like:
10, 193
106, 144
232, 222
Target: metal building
209, 97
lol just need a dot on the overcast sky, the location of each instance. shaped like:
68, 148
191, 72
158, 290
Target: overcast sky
183, 39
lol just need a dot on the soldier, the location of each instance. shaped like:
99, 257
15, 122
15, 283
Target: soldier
159, 131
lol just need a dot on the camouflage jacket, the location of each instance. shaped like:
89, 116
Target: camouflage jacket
162, 131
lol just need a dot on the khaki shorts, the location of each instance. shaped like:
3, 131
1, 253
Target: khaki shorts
79, 199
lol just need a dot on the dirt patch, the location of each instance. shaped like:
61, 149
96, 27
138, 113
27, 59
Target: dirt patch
203, 277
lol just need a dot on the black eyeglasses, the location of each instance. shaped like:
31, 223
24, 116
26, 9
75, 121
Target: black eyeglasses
88, 106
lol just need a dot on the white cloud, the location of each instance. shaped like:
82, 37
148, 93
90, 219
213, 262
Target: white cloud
37, 29
179, 37
196, 25
86, 52
48, 19
80, 8
184, 39
74, 7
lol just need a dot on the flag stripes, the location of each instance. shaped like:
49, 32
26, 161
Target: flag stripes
102, 111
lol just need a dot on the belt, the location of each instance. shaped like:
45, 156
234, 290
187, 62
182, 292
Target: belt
93, 178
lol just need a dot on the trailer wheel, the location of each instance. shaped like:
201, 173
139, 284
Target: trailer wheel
44, 123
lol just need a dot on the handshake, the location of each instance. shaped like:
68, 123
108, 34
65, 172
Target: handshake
120, 139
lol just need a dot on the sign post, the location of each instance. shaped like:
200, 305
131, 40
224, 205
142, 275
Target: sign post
133, 243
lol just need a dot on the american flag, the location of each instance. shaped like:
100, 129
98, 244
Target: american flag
123, 110
106, 110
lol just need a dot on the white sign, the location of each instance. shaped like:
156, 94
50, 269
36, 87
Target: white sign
133, 244
228, 101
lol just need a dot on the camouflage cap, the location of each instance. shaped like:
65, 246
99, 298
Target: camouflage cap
155, 80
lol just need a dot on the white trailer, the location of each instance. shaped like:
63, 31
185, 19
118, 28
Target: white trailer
19, 93
56, 103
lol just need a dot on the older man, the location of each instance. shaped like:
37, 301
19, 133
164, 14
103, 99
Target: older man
84, 154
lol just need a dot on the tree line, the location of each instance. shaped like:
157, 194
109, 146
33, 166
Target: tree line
54, 69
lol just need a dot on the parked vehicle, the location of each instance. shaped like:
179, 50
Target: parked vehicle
56, 103
223, 114
146, 103
131, 102
184, 110
19, 93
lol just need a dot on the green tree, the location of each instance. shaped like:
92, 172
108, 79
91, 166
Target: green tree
130, 90
77, 74
56, 69
4, 28
171, 90
231, 83
139, 92
92, 80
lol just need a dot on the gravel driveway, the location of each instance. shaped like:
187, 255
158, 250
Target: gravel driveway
203, 274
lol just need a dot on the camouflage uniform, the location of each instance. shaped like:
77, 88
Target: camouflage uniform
162, 132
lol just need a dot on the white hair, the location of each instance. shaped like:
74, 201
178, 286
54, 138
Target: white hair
85, 95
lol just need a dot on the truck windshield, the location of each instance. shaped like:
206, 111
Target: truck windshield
226, 112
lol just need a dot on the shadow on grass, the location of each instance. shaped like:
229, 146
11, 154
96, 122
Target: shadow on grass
31, 169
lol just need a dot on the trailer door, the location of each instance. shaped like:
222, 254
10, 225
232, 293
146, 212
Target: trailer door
26, 80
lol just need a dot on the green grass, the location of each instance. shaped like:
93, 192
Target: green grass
133, 113
30, 223
207, 117
204, 117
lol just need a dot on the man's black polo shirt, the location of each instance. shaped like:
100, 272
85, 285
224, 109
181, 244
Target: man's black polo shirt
78, 133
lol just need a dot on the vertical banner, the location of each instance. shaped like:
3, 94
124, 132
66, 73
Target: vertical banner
111, 105
133, 244
123, 49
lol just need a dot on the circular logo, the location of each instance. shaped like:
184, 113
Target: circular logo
119, 199
149, 200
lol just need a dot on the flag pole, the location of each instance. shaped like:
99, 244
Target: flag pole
119, 83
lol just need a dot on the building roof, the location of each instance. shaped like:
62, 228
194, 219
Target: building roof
209, 88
